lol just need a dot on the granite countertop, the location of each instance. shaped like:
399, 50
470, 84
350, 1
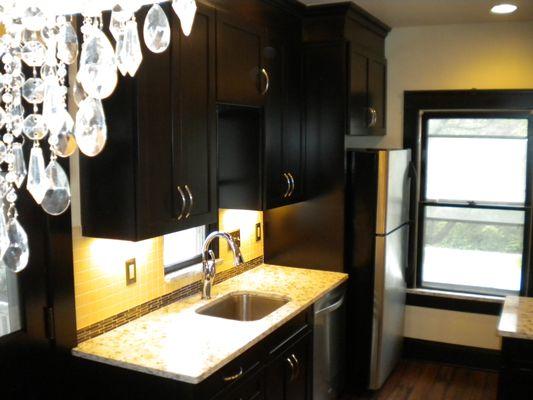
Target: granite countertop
176, 342
516, 320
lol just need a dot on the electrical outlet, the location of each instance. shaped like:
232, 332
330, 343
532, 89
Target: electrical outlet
131, 271
258, 232
236, 236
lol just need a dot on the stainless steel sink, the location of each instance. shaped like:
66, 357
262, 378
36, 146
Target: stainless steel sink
243, 306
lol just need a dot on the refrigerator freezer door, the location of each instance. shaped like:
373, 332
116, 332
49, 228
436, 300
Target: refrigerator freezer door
389, 304
393, 190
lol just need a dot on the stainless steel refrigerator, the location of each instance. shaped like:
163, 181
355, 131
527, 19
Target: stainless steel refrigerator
377, 215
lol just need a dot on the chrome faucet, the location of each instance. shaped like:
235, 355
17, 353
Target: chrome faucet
209, 261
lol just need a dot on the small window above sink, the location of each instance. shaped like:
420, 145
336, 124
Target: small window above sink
244, 306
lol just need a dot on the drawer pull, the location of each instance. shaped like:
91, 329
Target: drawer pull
191, 204
297, 363
291, 364
232, 378
183, 202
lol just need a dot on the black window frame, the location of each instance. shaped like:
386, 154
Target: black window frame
196, 259
419, 107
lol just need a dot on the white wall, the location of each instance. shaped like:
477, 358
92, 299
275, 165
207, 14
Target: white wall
482, 56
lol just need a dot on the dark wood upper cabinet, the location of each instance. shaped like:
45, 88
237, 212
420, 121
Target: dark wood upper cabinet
194, 124
284, 139
260, 133
241, 78
367, 67
157, 173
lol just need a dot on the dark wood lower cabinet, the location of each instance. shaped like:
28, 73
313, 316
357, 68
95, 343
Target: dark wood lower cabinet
516, 374
277, 368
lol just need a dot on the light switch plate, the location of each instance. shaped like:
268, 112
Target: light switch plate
236, 236
131, 271
258, 234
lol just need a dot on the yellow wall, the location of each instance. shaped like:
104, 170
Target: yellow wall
99, 272
482, 56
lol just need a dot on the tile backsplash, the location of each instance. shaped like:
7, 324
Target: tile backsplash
99, 268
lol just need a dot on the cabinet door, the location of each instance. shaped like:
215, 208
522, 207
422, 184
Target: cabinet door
283, 130
194, 136
240, 79
377, 78
289, 376
358, 95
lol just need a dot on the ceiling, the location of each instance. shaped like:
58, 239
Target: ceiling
396, 13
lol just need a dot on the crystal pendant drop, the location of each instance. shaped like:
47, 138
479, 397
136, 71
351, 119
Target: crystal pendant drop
57, 197
78, 93
19, 164
62, 140
128, 53
67, 44
33, 53
186, 11
97, 72
3, 151
34, 127
4, 238
91, 128
36, 176
156, 30
33, 19
33, 90
3, 117
17, 253
53, 99
48, 70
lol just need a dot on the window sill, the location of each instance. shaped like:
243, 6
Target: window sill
457, 295
194, 272
453, 301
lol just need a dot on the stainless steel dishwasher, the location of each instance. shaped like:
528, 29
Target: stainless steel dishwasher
329, 344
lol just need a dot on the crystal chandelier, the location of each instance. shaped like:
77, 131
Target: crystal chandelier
38, 44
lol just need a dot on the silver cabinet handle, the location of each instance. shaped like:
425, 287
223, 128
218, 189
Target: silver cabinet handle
291, 364
191, 198
373, 117
297, 373
183, 203
267, 81
234, 377
288, 185
292, 184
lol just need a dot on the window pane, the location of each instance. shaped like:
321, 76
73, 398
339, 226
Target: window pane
477, 250
182, 246
477, 160
9, 302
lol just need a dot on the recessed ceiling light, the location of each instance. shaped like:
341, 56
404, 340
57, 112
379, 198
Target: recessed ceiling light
503, 9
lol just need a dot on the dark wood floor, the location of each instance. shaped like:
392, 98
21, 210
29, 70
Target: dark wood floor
419, 380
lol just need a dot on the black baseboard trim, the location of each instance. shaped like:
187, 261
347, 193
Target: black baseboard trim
466, 356
454, 304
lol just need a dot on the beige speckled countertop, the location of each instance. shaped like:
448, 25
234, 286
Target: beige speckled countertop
177, 343
516, 320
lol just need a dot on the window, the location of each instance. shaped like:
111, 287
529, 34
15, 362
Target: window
473, 202
183, 249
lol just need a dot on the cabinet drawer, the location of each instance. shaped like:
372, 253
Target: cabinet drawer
234, 373
252, 389
288, 334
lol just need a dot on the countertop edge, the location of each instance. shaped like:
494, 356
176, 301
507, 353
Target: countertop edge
198, 379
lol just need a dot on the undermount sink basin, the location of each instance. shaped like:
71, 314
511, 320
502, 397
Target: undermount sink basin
243, 306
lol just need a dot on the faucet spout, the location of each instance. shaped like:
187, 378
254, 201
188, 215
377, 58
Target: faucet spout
209, 262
